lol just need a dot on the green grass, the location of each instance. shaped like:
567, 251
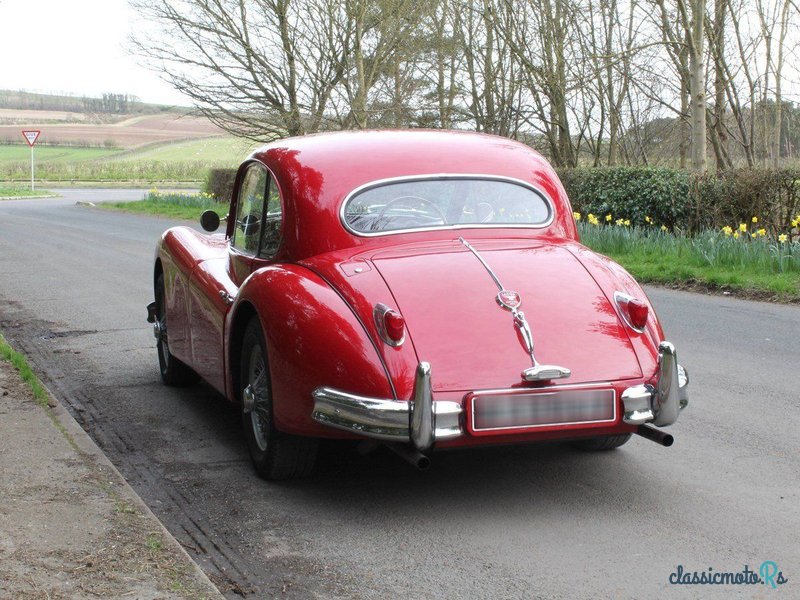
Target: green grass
221, 151
11, 153
22, 192
172, 205
711, 258
185, 161
18, 361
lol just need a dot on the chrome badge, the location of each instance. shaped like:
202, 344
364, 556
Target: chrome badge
508, 299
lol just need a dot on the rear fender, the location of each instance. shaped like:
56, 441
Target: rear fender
611, 278
313, 339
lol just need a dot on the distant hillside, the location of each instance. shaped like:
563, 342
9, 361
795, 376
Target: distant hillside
112, 121
110, 103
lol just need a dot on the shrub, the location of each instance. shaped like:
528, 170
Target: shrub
685, 201
630, 192
219, 183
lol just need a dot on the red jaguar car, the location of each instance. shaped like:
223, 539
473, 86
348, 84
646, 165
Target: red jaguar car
419, 289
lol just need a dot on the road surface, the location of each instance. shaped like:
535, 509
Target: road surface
518, 522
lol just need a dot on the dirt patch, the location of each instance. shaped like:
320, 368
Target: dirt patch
129, 133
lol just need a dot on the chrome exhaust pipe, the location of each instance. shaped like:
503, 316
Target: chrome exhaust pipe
656, 435
411, 455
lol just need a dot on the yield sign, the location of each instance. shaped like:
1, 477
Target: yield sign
31, 136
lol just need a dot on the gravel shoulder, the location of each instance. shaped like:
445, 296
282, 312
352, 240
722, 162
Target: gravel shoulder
70, 526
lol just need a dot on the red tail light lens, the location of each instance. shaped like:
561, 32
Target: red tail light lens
633, 311
391, 325
638, 312
395, 325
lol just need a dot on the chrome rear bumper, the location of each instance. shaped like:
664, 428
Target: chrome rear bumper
424, 422
421, 421
660, 404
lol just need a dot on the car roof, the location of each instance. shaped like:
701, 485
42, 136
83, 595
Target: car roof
317, 172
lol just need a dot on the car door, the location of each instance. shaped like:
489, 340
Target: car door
215, 282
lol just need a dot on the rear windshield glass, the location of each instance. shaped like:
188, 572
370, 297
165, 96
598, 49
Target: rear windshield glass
445, 202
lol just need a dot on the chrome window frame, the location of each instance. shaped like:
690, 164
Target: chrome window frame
441, 177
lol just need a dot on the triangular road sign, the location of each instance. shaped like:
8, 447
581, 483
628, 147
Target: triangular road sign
31, 136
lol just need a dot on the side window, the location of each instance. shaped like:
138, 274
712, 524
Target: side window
273, 221
249, 210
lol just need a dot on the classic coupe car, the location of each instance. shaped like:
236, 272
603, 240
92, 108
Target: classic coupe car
423, 290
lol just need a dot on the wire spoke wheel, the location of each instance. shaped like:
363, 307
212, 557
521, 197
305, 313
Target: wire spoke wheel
260, 418
276, 455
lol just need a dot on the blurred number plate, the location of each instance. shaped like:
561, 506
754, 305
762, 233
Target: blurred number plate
494, 412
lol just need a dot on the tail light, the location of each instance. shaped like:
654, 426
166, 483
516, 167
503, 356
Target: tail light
391, 325
633, 311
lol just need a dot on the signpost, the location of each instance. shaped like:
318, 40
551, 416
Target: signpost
31, 136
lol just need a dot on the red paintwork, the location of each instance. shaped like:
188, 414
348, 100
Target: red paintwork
315, 299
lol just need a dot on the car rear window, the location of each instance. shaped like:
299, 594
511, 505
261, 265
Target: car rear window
445, 202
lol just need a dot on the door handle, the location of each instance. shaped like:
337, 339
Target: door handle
226, 297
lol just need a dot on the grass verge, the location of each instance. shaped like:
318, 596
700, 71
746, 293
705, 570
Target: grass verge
171, 205
18, 361
21, 192
759, 267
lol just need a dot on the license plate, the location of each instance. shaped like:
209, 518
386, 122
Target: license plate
522, 410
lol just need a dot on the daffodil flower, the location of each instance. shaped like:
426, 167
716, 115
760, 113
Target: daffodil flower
755, 219
782, 238
743, 227
608, 218
576, 215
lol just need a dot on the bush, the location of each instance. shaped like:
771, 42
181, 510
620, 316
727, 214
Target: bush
219, 184
630, 192
685, 201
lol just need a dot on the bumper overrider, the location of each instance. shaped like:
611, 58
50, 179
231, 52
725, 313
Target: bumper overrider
424, 422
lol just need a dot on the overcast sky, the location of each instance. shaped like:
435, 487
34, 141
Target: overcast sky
74, 46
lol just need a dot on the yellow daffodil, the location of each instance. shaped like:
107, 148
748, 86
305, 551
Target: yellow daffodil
648, 219
727, 230
742, 227
754, 235
608, 218
577, 215
592, 219
619, 222
762, 232
795, 222
627, 223
663, 228
755, 219
782, 238
736, 235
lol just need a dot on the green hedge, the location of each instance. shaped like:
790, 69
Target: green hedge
679, 199
219, 184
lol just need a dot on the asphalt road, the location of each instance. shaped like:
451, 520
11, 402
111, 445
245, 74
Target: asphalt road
518, 522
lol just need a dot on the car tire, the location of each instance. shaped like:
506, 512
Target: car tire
601, 444
173, 371
276, 455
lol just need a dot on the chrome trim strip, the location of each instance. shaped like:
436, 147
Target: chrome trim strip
486, 266
444, 176
552, 391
